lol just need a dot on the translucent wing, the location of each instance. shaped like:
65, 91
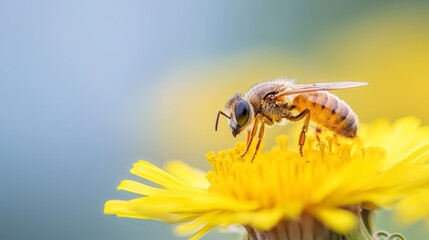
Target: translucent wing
314, 87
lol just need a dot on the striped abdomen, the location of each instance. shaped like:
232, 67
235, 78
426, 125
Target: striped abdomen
329, 111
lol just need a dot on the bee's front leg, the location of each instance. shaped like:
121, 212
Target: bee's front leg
252, 133
261, 135
249, 133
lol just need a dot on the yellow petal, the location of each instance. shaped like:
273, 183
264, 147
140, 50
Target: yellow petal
139, 188
121, 209
154, 174
194, 177
339, 220
414, 207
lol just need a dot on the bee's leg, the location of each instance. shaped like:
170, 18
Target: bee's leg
249, 133
305, 113
252, 134
318, 132
303, 131
261, 135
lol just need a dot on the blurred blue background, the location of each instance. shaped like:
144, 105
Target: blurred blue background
89, 87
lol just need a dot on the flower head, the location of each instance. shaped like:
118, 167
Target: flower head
327, 188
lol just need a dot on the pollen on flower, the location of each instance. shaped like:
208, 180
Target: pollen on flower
319, 195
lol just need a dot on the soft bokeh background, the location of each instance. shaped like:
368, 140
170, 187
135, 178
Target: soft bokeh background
89, 87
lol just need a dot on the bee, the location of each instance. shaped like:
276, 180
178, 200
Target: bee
275, 101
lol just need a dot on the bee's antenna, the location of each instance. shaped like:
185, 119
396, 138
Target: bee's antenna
217, 118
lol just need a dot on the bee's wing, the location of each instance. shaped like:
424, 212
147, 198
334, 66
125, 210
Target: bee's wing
314, 87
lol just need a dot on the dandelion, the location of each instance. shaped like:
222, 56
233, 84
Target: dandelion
329, 193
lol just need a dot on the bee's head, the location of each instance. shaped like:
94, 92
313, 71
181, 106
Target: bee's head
240, 113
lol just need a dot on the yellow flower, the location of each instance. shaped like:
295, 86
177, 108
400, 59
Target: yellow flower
322, 194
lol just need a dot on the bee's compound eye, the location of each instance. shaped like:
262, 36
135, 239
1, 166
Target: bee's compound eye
242, 112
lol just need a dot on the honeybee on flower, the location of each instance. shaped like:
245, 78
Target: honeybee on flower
275, 101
